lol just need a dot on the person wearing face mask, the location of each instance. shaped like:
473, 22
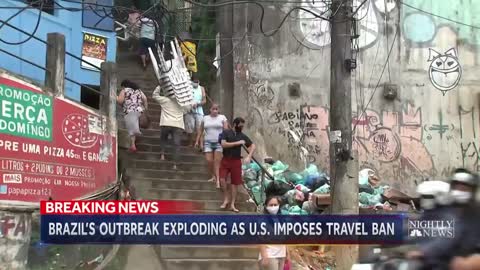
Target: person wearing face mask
232, 142
439, 252
193, 119
272, 257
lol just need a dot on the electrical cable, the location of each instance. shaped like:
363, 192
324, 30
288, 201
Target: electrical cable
379, 80
46, 43
386, 37
45, 69
30, 35
262, 12
17, 13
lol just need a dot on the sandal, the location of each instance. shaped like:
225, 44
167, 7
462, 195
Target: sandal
223, 206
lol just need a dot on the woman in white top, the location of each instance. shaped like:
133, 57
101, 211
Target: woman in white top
212, 126
272, 257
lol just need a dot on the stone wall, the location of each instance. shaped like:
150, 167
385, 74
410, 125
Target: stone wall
428, 129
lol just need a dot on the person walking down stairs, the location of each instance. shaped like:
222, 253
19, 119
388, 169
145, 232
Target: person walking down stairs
193, 119
171, 123
212, 126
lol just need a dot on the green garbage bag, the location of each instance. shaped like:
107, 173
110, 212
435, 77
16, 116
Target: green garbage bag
379, 190
257, 194
280, 176
302, 188
251, 184
255, 166
279, 166
312, 169
294, 178
369, 199
325, 189
266, 182
284, 209
296, 210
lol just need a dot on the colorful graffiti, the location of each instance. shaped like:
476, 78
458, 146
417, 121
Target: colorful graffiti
316, 32
466, 12
380, 137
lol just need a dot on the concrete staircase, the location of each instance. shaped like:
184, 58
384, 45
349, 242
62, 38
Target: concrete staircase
154, 179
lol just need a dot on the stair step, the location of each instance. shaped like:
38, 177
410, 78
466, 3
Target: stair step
184, 157
166, 165
207, 252
155, 140
167, 174
157, 148
213, 204
209, 264
175, 194
144, 183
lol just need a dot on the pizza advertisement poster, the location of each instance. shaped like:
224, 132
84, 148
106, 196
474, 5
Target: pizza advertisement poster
94, 50
51, 147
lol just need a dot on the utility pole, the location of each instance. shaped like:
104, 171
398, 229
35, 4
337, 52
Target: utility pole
343, 160
224, 21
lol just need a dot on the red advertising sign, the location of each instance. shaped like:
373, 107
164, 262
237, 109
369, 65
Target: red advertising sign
51, 147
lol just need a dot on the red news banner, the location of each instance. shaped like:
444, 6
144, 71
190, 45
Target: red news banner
51, 147
117, 207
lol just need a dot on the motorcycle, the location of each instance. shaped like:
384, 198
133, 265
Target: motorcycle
382, 261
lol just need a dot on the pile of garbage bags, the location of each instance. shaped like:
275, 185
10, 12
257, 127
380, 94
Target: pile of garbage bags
296, 188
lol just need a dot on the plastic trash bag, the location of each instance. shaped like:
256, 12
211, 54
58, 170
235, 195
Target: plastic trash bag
366, 188
314, 183
255, 166
279, 166
284, 209
302, 188
251, 184
369, 199
296, 210
379, 190
277, 188
250, 175
280, 176
325, 189
294, 178
295, 197
363, 176
308, 207
312, 169
257, 194
266, 182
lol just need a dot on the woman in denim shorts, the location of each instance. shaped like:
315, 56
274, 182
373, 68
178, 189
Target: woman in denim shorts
212, 126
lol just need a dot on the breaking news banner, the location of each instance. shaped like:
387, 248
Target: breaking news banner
148, 222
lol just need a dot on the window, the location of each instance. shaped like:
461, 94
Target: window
90, 98
48, 5
97, 14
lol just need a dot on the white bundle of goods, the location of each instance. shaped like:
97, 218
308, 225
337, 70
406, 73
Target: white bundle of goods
173, 76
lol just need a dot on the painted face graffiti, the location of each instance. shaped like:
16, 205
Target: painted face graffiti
445, 71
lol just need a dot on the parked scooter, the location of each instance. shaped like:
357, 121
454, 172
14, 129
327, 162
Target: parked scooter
381, 261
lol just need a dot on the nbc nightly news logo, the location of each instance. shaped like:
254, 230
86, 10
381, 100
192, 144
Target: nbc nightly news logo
431, 228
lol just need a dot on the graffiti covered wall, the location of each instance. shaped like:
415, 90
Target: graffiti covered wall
428, 129
15, 230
